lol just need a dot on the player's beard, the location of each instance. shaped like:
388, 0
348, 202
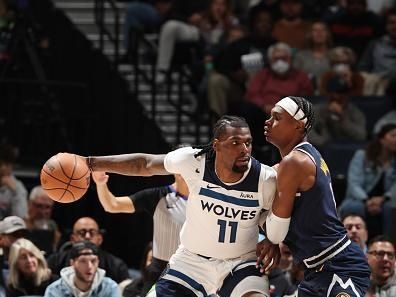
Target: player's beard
240, 169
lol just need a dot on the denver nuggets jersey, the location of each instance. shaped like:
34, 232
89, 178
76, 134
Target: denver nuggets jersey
315, 228
221, 218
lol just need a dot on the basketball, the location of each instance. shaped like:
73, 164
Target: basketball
65, 177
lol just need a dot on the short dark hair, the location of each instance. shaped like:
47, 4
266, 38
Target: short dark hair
219, 129
379, 238
353, 214
228, 121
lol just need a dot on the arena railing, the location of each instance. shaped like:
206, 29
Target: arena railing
112, 35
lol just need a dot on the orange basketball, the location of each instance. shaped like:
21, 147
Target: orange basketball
65, 177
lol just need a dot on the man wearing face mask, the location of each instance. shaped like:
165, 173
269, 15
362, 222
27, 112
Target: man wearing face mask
343, 74
278, 80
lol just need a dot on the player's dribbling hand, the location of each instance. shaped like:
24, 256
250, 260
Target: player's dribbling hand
268, 255
100, 177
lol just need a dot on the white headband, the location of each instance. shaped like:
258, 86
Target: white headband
291, 107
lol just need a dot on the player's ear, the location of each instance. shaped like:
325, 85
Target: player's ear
100, 239
215, 142
300, 125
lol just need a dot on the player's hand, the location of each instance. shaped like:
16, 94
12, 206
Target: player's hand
8, 181
100, 177
268, 255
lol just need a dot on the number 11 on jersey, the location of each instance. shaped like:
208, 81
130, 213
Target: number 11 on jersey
223, 227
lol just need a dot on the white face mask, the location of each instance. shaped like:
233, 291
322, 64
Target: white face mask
341, 68
280, 67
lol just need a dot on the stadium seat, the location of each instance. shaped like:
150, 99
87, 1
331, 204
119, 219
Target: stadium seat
373, 107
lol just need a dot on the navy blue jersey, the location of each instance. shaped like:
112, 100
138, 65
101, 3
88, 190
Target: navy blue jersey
314, 225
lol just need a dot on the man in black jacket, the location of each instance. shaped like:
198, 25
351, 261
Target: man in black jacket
87, 228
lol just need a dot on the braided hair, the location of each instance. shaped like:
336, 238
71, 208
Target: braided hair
218, 130
307, 108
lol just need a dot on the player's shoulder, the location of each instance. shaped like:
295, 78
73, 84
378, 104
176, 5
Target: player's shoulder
267, 172
296, 160
183, 160
187, 151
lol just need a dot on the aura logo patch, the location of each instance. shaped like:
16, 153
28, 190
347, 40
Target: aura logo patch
342, 294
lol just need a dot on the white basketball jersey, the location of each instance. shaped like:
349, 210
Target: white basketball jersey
221, 219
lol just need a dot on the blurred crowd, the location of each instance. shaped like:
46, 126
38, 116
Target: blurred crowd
251, 54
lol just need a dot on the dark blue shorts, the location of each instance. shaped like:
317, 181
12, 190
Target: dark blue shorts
347, 272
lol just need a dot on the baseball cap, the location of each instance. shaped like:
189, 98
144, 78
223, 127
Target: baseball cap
78, 247
11, 224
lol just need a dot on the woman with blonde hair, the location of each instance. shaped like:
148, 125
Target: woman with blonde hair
29, 273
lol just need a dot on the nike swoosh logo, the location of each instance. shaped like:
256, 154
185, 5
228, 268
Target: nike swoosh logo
212, 187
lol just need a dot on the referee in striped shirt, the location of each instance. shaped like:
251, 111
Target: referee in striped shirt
166, 204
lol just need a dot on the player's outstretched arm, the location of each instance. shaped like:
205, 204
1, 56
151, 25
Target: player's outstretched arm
129, 164
110, 202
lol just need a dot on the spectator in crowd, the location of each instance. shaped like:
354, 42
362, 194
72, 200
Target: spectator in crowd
291, 28
145, 16
315, 9
83, 277
337, 120
371, 182
40, 208
134, 288
381, 258
314, 60
28, 270
195, 21
13, 194
217, 20
343, 74
390, 116
379, 58
11, 229
279, 277
279, 80
227, 83
380, 7
355, 26
357, 230
334, 10
87, 228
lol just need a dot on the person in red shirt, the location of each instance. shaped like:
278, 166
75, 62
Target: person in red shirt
280, 79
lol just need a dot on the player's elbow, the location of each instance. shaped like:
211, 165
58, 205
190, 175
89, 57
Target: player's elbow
110, 210
277, 228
